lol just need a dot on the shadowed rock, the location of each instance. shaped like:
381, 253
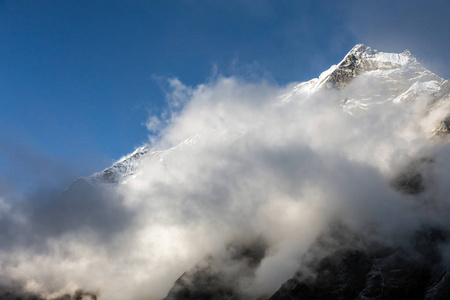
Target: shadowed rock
412, 179
374, 273
208, 281
16, 293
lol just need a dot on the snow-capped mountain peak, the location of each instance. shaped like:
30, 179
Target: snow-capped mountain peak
399, 77
361, 59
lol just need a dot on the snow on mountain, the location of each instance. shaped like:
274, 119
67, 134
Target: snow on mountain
399, 77
128, 166
124, 167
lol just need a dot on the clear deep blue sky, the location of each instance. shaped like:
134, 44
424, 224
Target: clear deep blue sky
77, 78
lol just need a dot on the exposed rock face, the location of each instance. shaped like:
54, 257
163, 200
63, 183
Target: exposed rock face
352, 274
439, 287
14, 294
207, 280
399, 78
365, 59
360, 59
443, 128
413, 179
371, 271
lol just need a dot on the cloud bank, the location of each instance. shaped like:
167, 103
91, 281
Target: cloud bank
242, 165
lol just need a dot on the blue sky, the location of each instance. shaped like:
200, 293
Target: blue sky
78, 79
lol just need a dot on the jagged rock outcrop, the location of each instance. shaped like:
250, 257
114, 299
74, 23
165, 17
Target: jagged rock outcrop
360, 270
443, 128
207, 280
364, 59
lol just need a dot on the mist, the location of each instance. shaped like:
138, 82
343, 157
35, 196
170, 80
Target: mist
232, 162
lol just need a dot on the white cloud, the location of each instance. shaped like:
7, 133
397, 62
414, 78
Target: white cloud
248, 168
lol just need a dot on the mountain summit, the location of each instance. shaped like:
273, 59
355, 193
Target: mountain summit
364, 59
398, 77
